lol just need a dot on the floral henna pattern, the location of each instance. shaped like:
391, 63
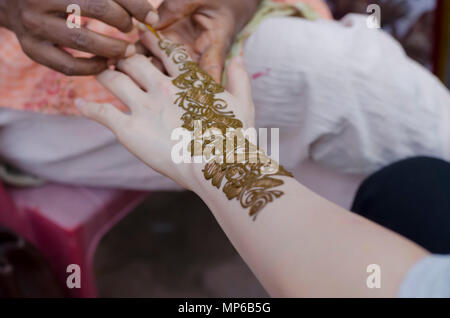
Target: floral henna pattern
245, 180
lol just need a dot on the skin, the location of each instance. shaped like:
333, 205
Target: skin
40, 26
206, 27
301, 245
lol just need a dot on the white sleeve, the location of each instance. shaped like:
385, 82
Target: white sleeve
345, 95
430, 277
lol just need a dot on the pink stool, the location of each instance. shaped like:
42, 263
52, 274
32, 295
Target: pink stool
66, 224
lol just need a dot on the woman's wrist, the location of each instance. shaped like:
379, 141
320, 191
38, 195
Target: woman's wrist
196, 181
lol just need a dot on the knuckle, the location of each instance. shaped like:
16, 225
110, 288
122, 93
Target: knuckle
115, 76
140, 58
124, 64
101, 9
129, 62
166, 87
125, 23
103, 111
68, 69
137, 6
136, 59
97, 68
116, 50
79, 38
29, 21
98, 8
173, 6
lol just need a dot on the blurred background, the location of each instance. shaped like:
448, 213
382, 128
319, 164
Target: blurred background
171, 246
421, 26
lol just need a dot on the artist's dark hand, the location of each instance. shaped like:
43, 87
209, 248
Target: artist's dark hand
206, 27
41, 28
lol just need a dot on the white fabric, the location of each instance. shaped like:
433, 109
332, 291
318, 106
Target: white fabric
430, 277
344, 96
72, 150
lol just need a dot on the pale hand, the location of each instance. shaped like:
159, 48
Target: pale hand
150, 95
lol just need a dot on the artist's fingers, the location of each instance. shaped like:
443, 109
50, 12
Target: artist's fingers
238, 81
174, 10
123, 88
142, 10
105, 114
212, 60
55, 30
47, 54
203, 42
168, 52
107, 11
142, 71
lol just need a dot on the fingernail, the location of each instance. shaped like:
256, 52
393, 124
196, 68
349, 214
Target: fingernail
130, 51
152, 18
142, 27
80, 103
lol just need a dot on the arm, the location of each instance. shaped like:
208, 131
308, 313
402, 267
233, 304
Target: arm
304, 246
299, 244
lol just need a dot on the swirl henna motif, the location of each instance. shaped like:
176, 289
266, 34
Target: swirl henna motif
246, 180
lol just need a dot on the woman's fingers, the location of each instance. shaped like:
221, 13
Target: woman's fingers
141, 49
143, 72
105, 114
177, 37
167, 51
123, 88
238, 81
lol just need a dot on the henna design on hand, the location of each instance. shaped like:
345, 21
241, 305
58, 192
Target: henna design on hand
247, 181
